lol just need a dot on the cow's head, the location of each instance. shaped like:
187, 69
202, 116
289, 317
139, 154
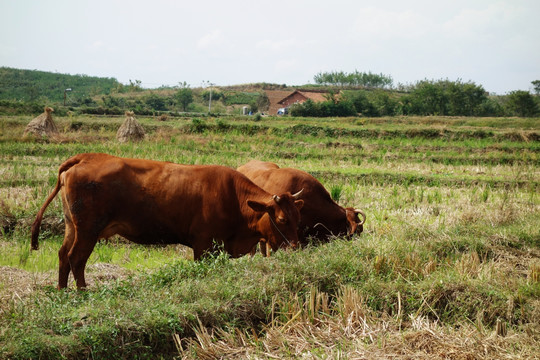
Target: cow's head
354, 224
279, 223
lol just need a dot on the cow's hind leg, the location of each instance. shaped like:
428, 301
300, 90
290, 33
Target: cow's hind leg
80, 252
63, 260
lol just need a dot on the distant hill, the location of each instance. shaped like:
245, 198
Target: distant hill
33, 85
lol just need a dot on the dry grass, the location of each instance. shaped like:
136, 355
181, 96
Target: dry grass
17, 283
43, 125
130, 130
345, 328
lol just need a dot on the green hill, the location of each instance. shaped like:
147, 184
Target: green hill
32, 85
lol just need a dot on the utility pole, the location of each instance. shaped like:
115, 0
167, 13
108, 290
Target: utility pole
209, 84
210, 102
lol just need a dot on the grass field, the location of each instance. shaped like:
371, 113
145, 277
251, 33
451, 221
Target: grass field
448, 265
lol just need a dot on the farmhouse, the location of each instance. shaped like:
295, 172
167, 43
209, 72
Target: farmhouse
281, 99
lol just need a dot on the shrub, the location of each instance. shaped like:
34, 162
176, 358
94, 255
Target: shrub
356, 78
155, 102
323, 109
490, 107
521, 103
216, 95
361, 103
240, 98
444, 97
197, 125
14, 107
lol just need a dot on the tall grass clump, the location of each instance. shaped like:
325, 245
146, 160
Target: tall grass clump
336, 192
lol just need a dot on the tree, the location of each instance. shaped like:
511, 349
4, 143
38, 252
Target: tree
522, 103
184, 96
261, 103
464, 98
536, 84
323, 109
444, 97
428, 98
155, 102
356, 78
135, 85
383, 104
361, 102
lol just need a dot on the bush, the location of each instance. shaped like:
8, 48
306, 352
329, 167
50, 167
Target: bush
14, 107
239, 98
197, 126
113, 101
356, 78
155, 102
521, 103
373, 103
361, 103
490, 107
216, 95
383, 104
323, 109
444, 97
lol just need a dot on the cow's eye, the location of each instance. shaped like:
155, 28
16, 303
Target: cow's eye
281, 220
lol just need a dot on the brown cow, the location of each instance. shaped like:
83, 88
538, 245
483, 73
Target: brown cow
321, 217
153, 202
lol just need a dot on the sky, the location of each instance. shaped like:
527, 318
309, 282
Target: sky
495, 44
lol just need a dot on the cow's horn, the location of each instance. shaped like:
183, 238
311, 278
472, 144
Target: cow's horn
276, 198
358, 211
297, 195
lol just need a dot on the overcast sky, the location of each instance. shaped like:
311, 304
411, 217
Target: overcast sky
495, 44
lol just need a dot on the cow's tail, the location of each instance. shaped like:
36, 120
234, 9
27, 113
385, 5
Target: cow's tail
39, 217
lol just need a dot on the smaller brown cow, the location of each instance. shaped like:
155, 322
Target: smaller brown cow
154, 202
321, 217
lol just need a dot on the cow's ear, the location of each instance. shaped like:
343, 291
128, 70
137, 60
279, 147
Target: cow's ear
257, 206
299, 204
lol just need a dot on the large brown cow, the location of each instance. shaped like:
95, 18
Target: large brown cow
321, 217
153, 202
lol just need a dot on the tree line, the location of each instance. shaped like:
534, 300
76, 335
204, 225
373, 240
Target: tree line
354, 79
426, 97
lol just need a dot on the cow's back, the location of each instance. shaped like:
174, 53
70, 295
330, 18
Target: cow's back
274, 179
256, 169
154, 202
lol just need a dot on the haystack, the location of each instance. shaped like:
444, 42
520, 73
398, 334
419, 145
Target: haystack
130, 130
43, 125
